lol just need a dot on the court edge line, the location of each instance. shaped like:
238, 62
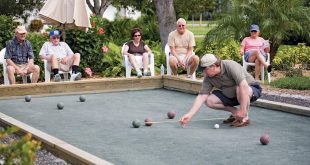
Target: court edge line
64, 150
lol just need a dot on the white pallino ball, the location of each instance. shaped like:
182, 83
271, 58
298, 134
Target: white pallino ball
216, 126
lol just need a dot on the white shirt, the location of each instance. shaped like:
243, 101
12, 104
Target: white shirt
61, 50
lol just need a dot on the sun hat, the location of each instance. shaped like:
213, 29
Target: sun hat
254, 28
20, 29
207, 60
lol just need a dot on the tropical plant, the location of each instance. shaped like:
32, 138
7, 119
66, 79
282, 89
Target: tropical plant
276, 20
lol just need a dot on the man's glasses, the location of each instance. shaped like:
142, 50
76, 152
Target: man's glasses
55, 38
137, 35
181, 25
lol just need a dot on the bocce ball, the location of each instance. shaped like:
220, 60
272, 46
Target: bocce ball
216, 126
171, 115
148, 121
82, 98
28, 98
136, 123
264, 139
60, 105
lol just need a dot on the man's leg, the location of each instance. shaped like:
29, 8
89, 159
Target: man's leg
55, 67
76, 75
11, 74
173, 61
192, 63
214, 102
35, 70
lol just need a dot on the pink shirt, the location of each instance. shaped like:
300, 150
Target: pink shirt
249, 43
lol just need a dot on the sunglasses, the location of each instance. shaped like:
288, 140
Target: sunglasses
181, 25
55, 38
137, 35
253, 31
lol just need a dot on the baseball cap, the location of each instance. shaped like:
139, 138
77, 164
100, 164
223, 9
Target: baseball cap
254, 28
20, 29
207, 60
55, 33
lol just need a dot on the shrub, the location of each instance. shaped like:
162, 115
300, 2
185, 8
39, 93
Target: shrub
37, 40
289, 56
294, 72
229, 50
299, 83
7, 27
89, 44
17, 151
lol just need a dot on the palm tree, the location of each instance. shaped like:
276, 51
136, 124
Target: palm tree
276, 18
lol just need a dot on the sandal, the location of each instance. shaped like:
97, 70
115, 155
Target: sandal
229, 120
240, 123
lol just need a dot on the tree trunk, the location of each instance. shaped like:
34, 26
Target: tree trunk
273, 50
166, 19
99, 8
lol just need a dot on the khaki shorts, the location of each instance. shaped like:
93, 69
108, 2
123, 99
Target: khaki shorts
182, 56
63, 67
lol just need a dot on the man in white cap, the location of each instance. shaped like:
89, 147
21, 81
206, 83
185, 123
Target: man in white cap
225, 85
61, 57
19, 57
181, 42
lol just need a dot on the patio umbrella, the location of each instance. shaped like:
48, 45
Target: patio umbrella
66, 14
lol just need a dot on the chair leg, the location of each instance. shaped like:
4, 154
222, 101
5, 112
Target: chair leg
262, 72
128, 72
24, 79
66, 76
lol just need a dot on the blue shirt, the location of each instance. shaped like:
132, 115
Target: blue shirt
19, 53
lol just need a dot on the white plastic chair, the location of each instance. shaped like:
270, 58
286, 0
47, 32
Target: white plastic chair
167, 52
5, 72
47, 72
245, 65
129, 67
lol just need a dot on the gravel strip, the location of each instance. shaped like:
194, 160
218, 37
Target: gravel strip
43, 157
287, 98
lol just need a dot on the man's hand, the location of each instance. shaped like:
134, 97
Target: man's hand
64, 60
240, 114
20, 71
185, 119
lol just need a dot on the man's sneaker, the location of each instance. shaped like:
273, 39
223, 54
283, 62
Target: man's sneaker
147, 73
57, 78
76, 76
229, 120
269, 68
139, 74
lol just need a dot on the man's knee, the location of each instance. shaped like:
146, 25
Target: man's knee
210, 102
172, 62
10, 69
77, 55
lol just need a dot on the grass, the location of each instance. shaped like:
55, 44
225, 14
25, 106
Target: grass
200, 29
299, 83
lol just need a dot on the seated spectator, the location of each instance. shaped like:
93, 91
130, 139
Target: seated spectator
181, 42
254, 49
136, 47
19, 57
61, 57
